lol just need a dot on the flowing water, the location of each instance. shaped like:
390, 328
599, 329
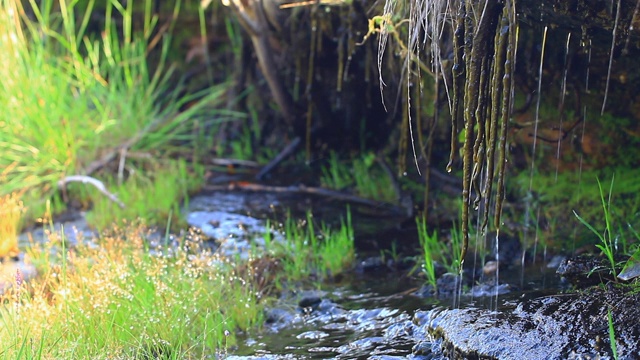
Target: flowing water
380, 310
377, 311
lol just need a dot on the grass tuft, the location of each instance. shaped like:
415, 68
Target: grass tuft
435, 250
307, 254
153, 195
606, 237
118, 298
72, 99
368, 180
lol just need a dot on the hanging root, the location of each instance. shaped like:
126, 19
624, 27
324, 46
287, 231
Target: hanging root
484, 35
480, 31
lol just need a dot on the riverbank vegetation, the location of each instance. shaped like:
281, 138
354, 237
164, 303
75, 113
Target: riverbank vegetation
122, 297
95, 117
133, 293
99, 117
76, 98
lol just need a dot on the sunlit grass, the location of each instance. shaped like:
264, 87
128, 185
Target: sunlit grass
72, 98
431, 249
337, 251
118, 298
552, 194
155, 197
11, 210
127, 295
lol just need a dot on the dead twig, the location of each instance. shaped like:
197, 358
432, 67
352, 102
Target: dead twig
62, 184
288, 150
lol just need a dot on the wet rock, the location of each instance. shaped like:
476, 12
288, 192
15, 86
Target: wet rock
312, 335
425, 291
555, 261
448, 285
310, 301
236, 234
553, 327
506, 252
370, 264
585, 270
490, 268
491, 288
631, 270
277, 319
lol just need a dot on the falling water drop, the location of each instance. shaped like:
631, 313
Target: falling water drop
497, 282
584, 126
528, 200
625, 51
613, 45
563, 92
537, 118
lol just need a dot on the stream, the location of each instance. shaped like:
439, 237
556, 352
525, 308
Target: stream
376, 311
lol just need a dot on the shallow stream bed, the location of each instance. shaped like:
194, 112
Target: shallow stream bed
379, 311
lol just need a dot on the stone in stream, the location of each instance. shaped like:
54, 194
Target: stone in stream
565, 326
586, 270
631, 269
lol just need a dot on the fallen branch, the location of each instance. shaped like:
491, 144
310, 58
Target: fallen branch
62, 184
301, 189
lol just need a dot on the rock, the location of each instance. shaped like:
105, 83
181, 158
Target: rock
309, 301
585, 270
553, 327
631, 270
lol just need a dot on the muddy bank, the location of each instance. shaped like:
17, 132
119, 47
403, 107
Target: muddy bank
565, 326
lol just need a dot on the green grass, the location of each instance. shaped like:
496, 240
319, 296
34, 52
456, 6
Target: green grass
307, 254
11, 212
154, 199
336, 175
337, 251
612, 335
431, 249
115, 298
435, 250
121, 297
552, 197
71, 97
362, 174
606, 237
